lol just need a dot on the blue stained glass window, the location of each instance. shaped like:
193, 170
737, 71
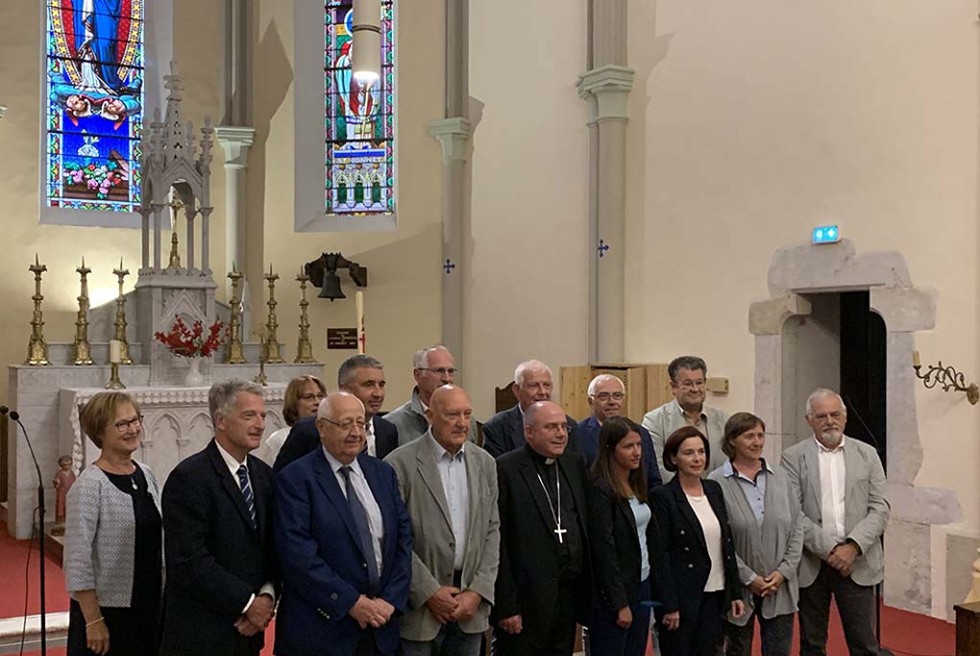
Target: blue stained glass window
94, 113
359, 120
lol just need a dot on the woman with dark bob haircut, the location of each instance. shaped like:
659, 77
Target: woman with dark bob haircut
113, 558
768, 532
696, 579
623, 534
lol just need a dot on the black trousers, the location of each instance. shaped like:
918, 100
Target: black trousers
701, 635
856, 604
553, 638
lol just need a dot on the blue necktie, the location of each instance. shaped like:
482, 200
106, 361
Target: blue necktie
361, 521
247, 492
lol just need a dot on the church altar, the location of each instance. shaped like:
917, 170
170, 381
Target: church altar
59, 378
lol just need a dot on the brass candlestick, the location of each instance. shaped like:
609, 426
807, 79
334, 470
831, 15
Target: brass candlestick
37, 348
236, 354
272, 352
175, 205
115, 356
82, 350
304, 349
120, 324
263, 357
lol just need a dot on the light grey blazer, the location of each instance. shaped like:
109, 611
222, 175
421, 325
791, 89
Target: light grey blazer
432, 533
100, 536
663, 421
760, 550
866, 509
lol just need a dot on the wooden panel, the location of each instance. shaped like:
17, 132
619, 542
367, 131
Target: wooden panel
574, 390
658, 386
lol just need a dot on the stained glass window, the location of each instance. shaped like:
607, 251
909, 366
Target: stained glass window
94, 113
359, 120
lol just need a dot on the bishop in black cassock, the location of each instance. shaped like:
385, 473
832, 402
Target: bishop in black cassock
544, 583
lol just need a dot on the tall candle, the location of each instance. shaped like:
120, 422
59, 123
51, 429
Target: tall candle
915, 359
361, 337
115, 351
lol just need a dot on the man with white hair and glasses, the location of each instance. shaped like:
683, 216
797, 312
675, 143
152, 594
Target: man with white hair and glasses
432, 367
504, 431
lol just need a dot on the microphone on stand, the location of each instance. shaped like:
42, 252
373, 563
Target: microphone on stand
15, 416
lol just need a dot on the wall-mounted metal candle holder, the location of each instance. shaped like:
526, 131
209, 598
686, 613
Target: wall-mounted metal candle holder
947, 377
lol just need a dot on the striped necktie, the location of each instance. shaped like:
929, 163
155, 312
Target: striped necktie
247, 492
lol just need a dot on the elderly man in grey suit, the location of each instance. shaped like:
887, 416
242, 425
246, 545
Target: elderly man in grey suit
450, 489
841, 486
688, 383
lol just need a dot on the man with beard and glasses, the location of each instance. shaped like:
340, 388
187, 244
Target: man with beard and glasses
841, 487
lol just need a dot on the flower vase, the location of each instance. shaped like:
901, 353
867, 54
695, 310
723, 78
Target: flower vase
194, 377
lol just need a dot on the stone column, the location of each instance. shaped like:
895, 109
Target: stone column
605, 86
235, 141
606, 89
453, 133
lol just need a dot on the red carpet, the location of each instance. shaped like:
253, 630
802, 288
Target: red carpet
906, 634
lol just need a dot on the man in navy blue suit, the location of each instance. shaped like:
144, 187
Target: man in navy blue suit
345, 543
607, 394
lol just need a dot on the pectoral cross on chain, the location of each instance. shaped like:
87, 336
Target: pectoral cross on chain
560, 532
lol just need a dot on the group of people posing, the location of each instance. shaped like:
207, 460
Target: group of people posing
415, 532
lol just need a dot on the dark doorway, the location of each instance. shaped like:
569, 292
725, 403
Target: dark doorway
862, 370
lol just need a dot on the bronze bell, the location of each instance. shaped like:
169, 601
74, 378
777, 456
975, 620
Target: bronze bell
331, 286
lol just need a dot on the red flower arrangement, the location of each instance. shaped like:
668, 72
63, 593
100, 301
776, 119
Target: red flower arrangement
191, 342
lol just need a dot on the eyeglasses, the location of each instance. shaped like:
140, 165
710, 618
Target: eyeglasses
605, 396
346, 426
823, 416
442, 371
318, 396
691, 384
124, 425
554, 428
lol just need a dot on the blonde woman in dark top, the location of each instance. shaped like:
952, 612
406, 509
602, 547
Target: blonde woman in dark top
113, 560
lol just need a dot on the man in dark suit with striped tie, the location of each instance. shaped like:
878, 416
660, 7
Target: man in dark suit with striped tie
217, 517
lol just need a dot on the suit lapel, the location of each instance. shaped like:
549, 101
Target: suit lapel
429, 471
687, 513
578, 491
328, 482
812, 461
230, 484
517, 427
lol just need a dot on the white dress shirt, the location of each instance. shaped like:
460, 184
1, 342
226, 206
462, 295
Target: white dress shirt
832, 481
452, 471
372, 449
366, 496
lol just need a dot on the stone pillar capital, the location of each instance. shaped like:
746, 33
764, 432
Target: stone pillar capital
609, 88
235, 141
453, 135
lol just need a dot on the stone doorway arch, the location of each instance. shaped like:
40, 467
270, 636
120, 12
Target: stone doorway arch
796, 271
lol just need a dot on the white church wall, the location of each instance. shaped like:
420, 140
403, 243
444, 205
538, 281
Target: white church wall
750, 124
528, 292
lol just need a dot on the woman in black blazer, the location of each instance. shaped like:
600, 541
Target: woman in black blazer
696, 580
622, 532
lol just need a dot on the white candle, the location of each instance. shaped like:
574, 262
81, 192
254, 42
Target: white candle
115, 351
361, 337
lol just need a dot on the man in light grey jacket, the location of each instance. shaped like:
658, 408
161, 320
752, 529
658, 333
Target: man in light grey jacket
841, 487
432, 367
450, 490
